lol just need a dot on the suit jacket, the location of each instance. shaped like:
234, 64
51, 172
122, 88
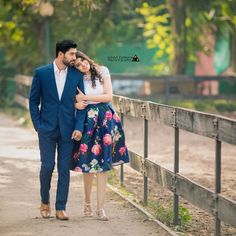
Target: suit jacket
48, 112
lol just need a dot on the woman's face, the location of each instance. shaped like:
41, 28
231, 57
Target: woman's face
82, 65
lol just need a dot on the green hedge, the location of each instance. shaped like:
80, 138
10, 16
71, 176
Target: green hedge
207, 105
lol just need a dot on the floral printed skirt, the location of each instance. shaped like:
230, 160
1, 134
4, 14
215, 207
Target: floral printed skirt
103, 141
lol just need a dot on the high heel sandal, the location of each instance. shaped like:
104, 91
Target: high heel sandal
101, 215
88, 210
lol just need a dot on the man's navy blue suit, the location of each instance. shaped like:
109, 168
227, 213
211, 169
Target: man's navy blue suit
55, 120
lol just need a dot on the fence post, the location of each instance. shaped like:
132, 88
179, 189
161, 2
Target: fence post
145, 155
176, 169
217, 177
122, 165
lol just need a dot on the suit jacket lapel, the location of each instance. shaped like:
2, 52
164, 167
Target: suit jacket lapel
53, 81
67, 83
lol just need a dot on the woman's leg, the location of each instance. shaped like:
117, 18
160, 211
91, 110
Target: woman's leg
88, 183
101, 190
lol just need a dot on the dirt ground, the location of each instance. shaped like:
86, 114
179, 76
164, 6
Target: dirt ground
19, 181
19, 196
197, 161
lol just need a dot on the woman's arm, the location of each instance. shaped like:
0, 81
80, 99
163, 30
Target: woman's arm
105, 97
81, 105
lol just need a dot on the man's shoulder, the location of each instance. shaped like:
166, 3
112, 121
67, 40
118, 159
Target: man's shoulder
44, 68
76, 72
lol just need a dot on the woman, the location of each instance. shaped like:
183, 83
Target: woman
103, 142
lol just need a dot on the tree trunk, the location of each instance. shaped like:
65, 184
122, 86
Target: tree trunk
178, 16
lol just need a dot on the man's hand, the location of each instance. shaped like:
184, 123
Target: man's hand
76, 135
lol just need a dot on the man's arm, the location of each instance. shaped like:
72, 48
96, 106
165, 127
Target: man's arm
34, 101
80, 114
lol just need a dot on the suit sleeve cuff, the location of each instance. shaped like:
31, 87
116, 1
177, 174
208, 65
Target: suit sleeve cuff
80, 120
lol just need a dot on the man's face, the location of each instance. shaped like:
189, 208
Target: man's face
69, 57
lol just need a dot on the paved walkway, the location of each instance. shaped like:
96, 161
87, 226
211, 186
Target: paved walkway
19, 196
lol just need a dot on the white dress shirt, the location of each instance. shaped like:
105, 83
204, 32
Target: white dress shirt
60, 77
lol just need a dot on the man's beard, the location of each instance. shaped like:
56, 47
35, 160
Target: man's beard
68, 63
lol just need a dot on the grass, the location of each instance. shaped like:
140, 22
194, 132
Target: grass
165, 214
208, 105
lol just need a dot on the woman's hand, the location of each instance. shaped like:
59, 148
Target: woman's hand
81, 105
81, 96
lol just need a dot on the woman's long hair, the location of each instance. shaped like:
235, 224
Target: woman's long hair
94, 68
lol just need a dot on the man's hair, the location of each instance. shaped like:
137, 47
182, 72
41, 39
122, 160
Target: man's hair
64, 46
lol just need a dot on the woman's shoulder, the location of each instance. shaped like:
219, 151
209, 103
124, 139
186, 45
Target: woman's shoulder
104, 70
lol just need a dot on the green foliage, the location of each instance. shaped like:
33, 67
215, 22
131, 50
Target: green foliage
185, 103
184, 216
207, 105
98, 23
166, 214
225, 106
160, 212
22, 29
19, 34
91, 23
202, 17
158, 33
112, 177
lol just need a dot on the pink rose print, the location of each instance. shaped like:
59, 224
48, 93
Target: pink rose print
96, 149
107, 139
108, 115
90, 132
116, 117
83, 148
122, 151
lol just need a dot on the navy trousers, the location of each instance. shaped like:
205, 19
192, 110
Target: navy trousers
48, 146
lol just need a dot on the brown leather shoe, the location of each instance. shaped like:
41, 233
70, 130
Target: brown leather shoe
61, 215
45, 210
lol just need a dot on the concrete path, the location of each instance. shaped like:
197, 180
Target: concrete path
19, 196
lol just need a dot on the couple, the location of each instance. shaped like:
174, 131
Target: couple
71, 112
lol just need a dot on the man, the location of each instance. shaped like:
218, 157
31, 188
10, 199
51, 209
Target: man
54, 118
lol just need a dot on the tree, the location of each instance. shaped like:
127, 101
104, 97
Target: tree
22, 29
22, 34
93, 24
178, 28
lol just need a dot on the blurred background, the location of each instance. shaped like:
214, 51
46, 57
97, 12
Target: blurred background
176, 52
180, 52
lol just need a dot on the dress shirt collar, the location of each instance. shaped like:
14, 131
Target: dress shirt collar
57, 70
